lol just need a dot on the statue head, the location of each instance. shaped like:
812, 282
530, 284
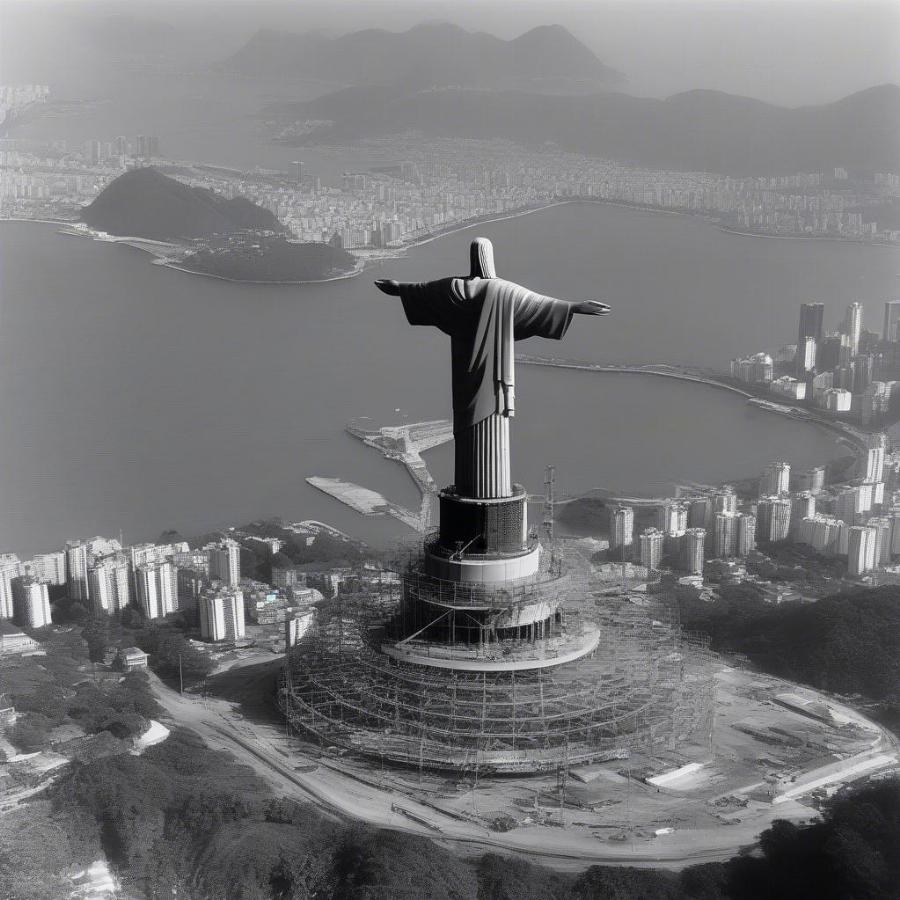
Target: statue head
481, 259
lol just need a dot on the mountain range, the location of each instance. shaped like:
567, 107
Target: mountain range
434, 54
696, 131
145, 203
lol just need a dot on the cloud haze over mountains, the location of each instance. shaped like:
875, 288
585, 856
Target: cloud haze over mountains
790, 53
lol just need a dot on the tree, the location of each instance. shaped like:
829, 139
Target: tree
95, 632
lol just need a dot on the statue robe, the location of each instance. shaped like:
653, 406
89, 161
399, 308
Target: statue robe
484, 317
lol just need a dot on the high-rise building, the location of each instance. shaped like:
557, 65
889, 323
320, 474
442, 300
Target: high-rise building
157, 589
812, 480
803, 506
676, 519
889, 333
724, 536
31, 602
79, 556
651, 546
699, 512
875, 403
895, 532
861, 549
819, 384
825, 534
756, 369
806, 355
776, 480
691, 553
191, 584
49, 567
837, 400
874, 462
883, 525
773, 518
812, 316
745, 538
828, 352
848, 504
621, 527
862, 369
198, 560
222, 614
76, 570
225, 562
853, 326
725, 500
109, 583
10, 568
141, 554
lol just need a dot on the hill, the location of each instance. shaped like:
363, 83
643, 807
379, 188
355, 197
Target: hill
695, 131
436, 54
848, 643
146, 203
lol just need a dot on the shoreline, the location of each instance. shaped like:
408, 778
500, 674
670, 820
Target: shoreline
178, 268
841, 432
372, 255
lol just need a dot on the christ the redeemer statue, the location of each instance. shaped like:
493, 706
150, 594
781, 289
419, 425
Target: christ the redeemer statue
484, 315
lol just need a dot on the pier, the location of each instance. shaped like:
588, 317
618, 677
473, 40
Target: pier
404, 444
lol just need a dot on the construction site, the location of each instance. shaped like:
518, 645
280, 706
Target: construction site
595, 679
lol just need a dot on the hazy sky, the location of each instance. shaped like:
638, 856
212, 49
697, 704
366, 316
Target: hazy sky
783, 51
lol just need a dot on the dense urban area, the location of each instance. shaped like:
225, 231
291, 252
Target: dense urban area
435, 185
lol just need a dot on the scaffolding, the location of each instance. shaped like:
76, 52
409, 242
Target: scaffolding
645, 687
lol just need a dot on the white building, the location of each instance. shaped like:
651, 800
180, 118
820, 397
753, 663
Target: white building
31, 602
49, 567
724, 536
651, 547
725, 500
803, 506
862, 549
756, 369
222, 614
837, 400
776, 480
825, 534
225, 562
692, 551
147, 553
788, 387
109, 584
76, 569
874, 461
79, 555
806, 355
745, 538
853, 326
10, 567
157, 589
621, 527
672, 518
773, 518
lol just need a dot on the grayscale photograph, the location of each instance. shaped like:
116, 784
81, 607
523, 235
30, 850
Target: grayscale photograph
450, 449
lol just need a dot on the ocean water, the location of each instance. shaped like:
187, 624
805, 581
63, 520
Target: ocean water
137, 398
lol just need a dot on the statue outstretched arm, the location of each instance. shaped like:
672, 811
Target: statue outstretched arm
388, 286
591, 308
